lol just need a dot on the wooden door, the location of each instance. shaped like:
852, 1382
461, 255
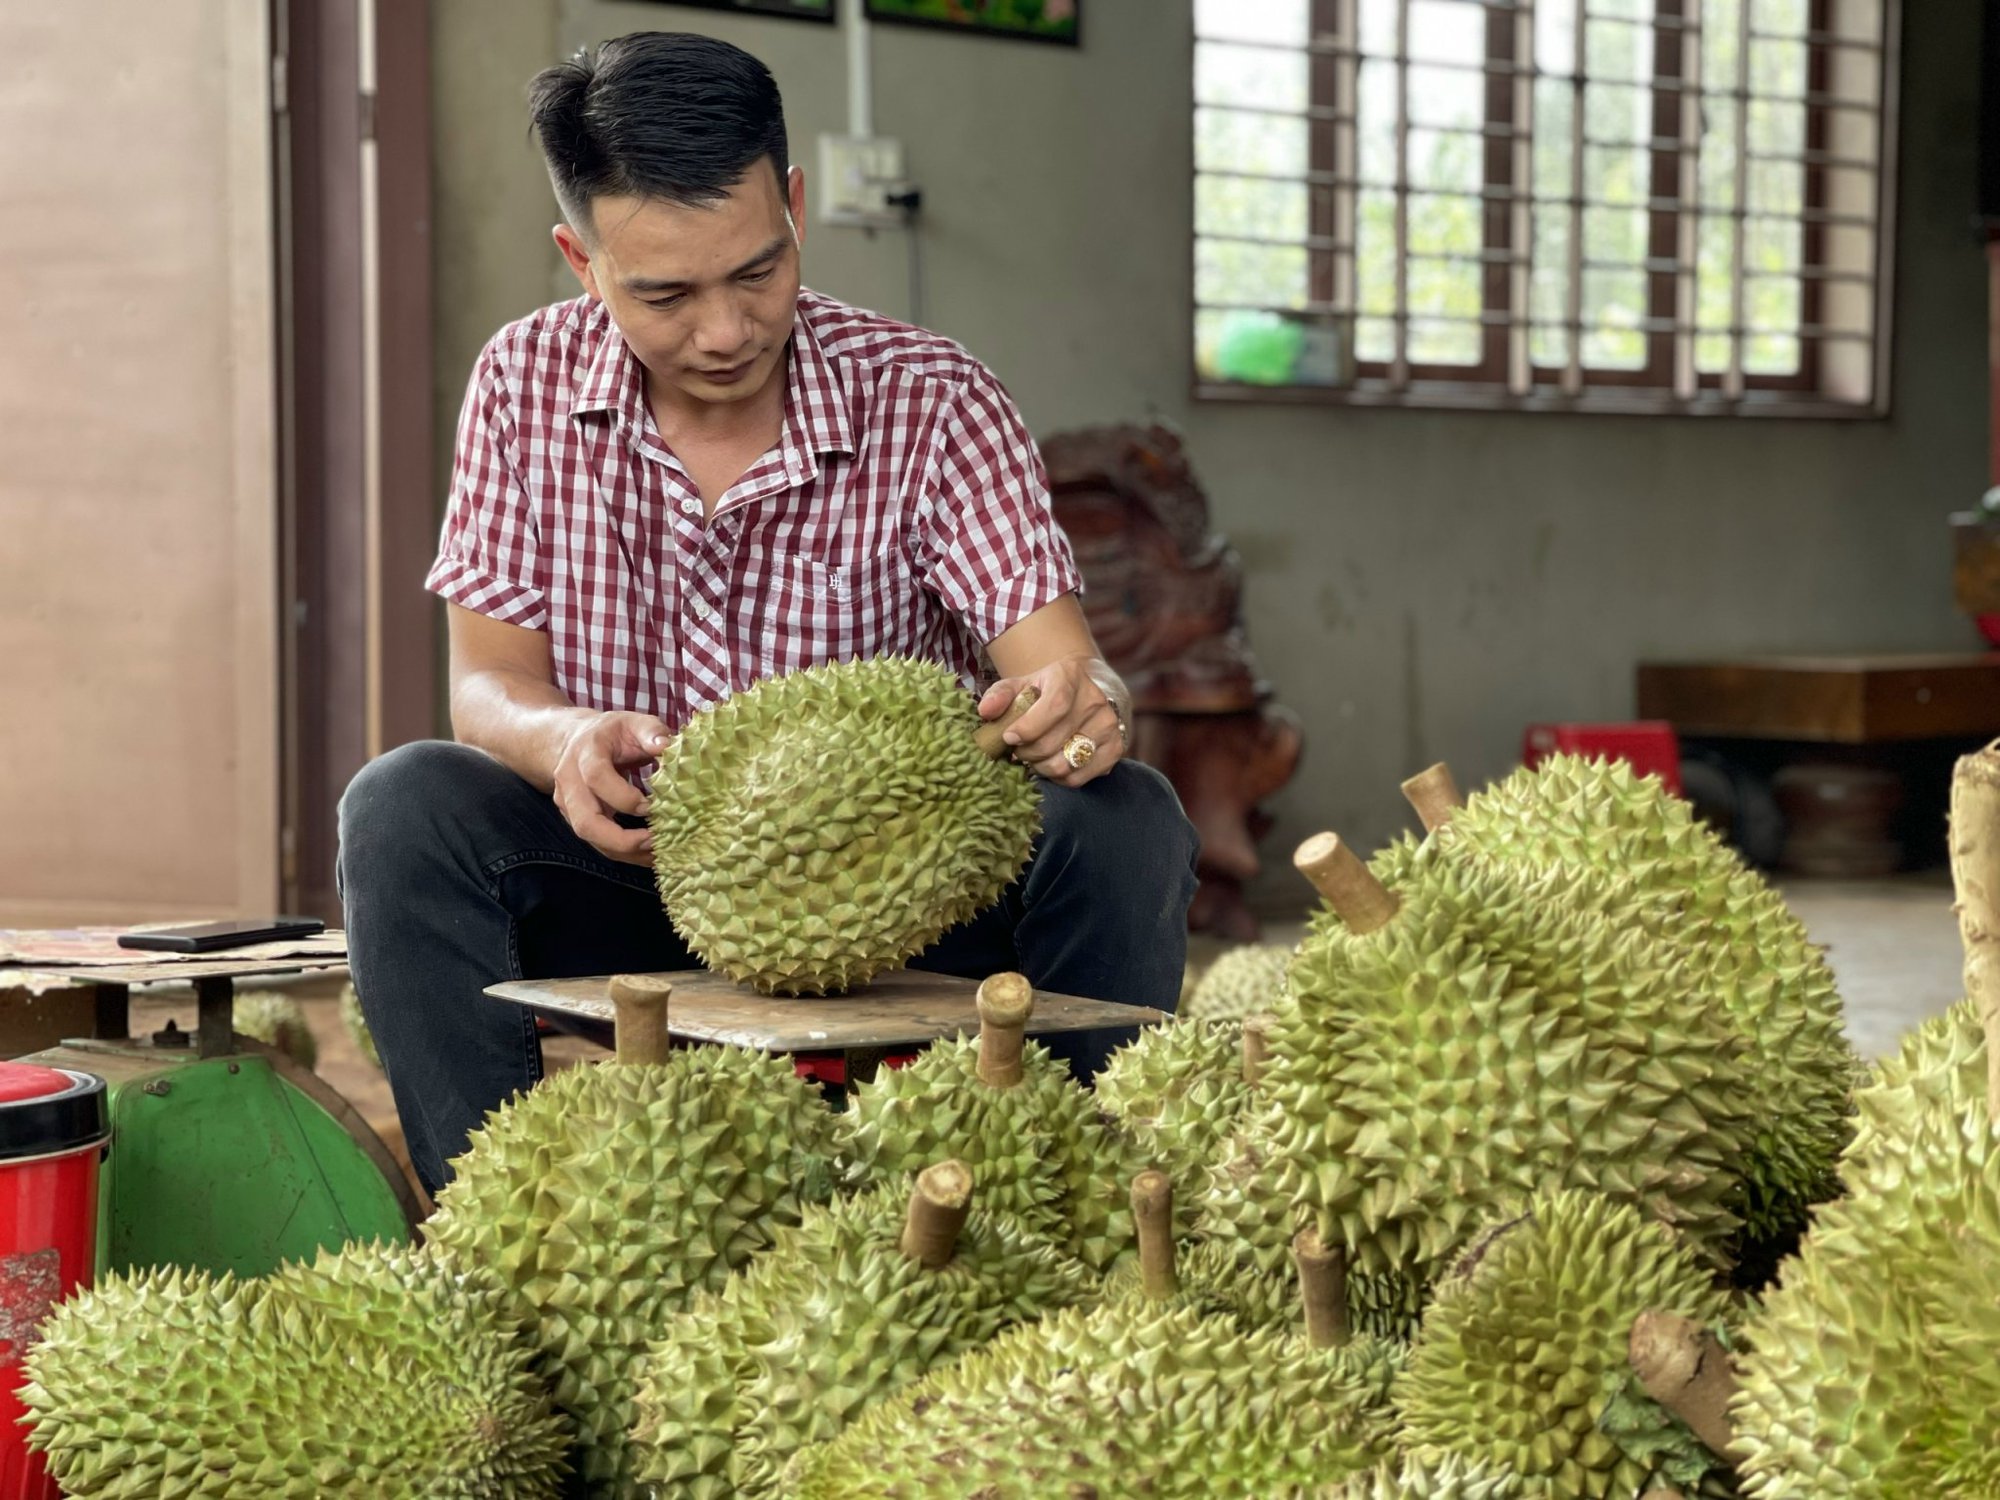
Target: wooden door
138, 586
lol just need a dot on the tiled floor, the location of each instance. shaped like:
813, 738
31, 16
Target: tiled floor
1893, 945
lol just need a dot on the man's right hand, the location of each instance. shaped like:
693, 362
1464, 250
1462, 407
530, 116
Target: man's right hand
591, 785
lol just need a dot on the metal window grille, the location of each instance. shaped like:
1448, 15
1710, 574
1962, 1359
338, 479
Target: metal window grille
1634, 205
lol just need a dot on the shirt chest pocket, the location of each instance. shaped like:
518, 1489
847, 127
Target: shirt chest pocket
813, 612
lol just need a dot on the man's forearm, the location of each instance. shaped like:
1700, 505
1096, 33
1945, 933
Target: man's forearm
518, 719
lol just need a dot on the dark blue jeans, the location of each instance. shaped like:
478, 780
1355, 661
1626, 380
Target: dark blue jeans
456, 874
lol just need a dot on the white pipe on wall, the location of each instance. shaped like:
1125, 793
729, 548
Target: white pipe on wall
860, 86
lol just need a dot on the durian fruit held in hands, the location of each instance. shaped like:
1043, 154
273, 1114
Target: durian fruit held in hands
858, 1300
1033, 1139
1483, 1035
1147, 1394
1243, 981
607, 1198
821, 827
277, 1020
1662, 871
1524, 1366
377, 1370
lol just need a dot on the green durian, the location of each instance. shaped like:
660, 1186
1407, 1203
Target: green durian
1665, 872
823, 826
1130, 1399
1035, 1140
837, 1314
1523, 1363
357, 1025
1177, 1092
1445, 1478
1495, 1037
1869, 1372
1243, 981
277, 1020
607, 1198
175, 1383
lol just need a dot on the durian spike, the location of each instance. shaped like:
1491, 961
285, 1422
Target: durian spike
939, 1203
988, 735
1349, 886
1975, 873
1323, 1284
641, 1003
1685, 1368
1256, 1048
1005, 1002
1435, 796
1153, 1213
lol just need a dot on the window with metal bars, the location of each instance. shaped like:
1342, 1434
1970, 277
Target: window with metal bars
1630, 205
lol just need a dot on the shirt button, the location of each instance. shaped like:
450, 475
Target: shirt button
700, 607
692, 507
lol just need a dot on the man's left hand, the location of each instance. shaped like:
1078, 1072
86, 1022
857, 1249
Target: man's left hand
1074, 709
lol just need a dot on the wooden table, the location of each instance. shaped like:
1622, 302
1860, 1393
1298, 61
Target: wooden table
1837, 700
903, 1008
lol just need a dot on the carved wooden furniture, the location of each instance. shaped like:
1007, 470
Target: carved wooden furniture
1164, 594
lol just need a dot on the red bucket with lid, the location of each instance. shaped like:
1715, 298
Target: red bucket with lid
53, 1126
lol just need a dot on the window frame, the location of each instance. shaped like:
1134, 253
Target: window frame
1669, 383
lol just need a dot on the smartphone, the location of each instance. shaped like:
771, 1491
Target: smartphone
206, 937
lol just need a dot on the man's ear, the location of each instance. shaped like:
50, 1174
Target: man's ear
795, 202
577, 254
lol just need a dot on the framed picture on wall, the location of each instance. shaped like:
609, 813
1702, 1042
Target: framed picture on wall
1031, 20
796, 10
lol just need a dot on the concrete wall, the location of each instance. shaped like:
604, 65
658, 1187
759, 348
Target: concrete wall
1420, 584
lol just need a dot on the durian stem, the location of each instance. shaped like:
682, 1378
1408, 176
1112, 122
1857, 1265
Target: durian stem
939, 1204
1005, 1002
1975, 873
1435, 796
1256, 1048
1323, 1284
1684, 1367
641, 1003
1348, 885
1153, 1212
988, 736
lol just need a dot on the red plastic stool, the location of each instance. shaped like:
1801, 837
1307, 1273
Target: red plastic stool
53, 1127
1647, 745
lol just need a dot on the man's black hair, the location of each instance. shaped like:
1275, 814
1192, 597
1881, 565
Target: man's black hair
657, 114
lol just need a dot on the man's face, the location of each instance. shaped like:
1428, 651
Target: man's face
704, 296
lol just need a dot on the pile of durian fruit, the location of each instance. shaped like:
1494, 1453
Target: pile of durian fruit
1540, 1169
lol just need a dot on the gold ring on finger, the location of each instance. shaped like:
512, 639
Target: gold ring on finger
1077, 750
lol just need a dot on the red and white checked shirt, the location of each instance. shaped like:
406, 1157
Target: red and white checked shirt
904, 510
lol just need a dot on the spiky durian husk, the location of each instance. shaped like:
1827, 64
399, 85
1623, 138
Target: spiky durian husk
1497, 1038
276, 1020
175, 1383
1040, 1151
357, 1025
1125, 1400
1869, 1373
1242, 981
1176, 1092
826, 825
606, 1198
832, 1317
1523, 1367
1431, 1479
1671, 876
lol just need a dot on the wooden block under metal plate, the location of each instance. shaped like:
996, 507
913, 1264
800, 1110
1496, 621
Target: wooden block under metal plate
903, 1006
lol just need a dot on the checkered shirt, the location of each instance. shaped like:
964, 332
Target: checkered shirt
904, 510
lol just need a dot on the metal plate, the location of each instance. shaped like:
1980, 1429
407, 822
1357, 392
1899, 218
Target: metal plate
904, 1006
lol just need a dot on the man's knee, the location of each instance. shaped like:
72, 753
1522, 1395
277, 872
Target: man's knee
395, 798
1130, 819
